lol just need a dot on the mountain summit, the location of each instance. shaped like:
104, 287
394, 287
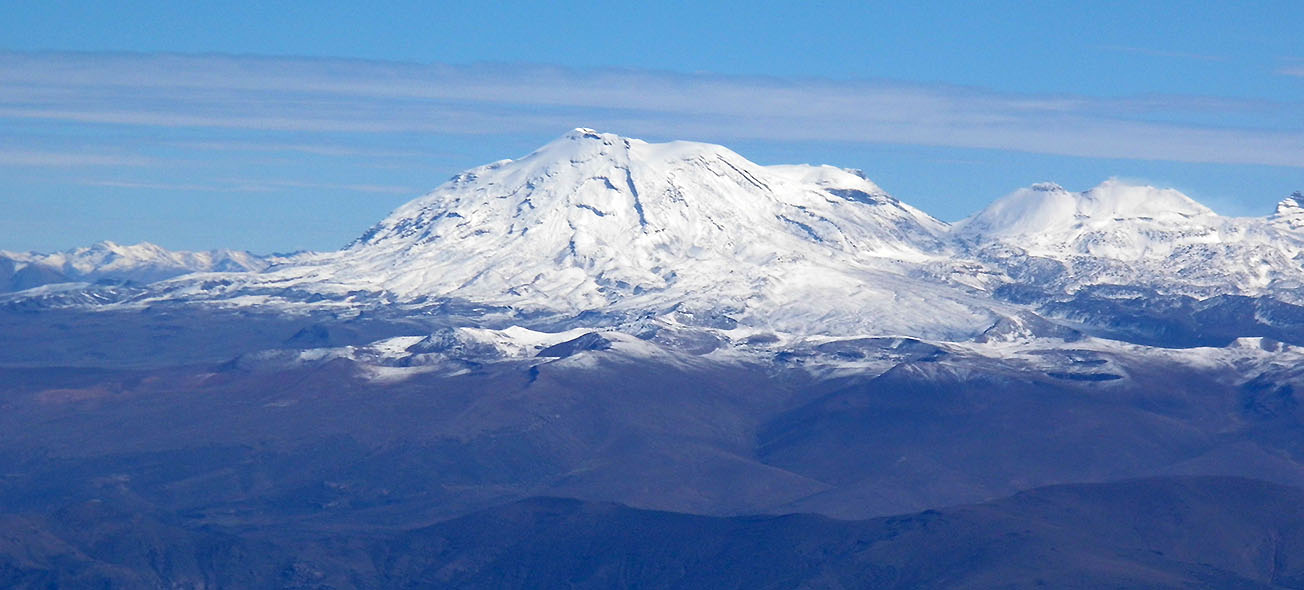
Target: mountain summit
592, 215
1050, 216
595, 222
627, 208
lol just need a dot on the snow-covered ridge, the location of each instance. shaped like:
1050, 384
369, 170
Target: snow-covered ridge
139, 263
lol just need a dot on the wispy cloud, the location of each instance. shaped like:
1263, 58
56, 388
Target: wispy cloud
135, 185
329, 95
250, 186
316, 149
1297, 70
274, 185
31, 158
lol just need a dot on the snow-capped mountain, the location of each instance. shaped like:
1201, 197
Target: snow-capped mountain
597, 231
594, 223
1120, 234
140, 263
1044, 215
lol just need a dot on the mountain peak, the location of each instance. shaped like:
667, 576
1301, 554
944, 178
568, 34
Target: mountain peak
593, 221
579, 133
1118, 199
577, 145
587, 183
1047, 206
1047, 187
586, 136
1027, 210
1292, 205
111, 247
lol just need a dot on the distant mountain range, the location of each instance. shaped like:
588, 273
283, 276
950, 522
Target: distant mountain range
604, 232
106, 261
1153, 534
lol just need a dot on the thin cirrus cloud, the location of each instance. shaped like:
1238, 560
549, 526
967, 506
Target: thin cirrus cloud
69, 159
306, 95
250, 186
316, 149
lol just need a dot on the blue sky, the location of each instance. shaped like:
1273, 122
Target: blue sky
276, 126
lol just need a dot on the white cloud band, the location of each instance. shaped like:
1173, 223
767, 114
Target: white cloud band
334, 95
